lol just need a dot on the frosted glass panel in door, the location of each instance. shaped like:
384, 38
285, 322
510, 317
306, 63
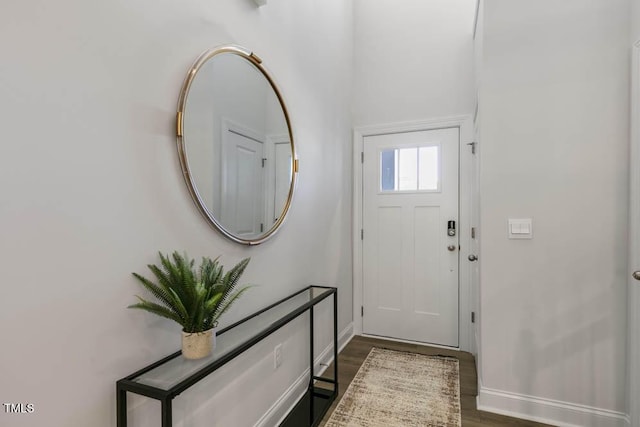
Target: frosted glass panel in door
410, 169
429, 168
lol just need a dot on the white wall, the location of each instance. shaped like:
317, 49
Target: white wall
554, 134
413, 60
91, 189
635, 20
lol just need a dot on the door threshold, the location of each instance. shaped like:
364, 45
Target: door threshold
426, 344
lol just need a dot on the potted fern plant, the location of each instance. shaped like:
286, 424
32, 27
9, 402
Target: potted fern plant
193, 298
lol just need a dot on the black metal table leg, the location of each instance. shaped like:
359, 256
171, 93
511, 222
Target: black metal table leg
121, 406
167, 417
335, 342
311, 361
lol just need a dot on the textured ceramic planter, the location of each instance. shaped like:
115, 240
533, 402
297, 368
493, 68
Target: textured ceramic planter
196, 345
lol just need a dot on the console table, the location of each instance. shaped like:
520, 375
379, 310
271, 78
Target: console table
167, 378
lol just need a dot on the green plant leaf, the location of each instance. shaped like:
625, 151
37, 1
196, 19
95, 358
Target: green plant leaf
226, 305
180, 309
231, 278
156, 309
211, 304
157, 291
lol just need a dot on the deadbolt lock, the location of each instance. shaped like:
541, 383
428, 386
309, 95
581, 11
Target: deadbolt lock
451, 228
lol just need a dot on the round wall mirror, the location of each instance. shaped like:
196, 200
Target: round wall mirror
235, 144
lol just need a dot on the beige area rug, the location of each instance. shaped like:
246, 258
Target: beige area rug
394, 388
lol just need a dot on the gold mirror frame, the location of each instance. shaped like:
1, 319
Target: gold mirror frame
182, 154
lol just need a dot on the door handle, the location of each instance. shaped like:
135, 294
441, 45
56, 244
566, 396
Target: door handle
475, 258
636, 275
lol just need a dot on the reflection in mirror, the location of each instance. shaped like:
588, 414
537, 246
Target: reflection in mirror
235, 145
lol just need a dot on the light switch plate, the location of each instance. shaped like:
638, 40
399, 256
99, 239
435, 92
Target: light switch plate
521, 228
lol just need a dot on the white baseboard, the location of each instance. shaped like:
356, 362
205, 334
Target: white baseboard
548, 411
279, 410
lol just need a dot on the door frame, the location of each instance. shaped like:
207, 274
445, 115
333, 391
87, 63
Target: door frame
465, 126
633, 286
272, 141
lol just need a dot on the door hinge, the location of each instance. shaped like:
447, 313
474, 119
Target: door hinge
473, 317
361, 234
473, 147
362, 311
362, 157
263, 160
473, 232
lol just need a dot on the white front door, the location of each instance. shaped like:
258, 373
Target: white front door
243, 185
410, 258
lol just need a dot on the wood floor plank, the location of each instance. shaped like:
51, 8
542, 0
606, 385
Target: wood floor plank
353, 355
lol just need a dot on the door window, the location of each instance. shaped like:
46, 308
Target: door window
410, 169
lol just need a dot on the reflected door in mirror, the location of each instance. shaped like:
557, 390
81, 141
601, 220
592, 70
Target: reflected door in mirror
243, 185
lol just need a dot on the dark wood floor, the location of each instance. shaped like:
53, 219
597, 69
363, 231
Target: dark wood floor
353, 355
